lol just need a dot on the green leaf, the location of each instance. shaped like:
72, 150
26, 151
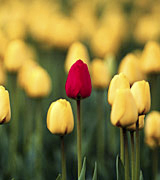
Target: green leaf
141, 175
119, 169
83, 170
95, 172
59, 177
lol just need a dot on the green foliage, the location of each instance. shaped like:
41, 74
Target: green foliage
59, 177
119, 168
83, 170
95, 172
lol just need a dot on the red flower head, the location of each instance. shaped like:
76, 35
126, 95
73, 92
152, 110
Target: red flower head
78, 84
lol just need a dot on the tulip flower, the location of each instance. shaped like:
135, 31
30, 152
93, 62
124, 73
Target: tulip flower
152, 130
141, 124
38, 83
60, 121
60, 117
76, 51
152, 138
124, 110
5, 112
131, 68
16, 53
150, 58
119, 81
99, 74
78, 84
141, 93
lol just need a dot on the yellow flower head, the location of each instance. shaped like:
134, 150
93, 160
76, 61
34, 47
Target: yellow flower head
130, 66
152, 130
141, 93
38, 83
150, 58
2, 73
5, 111
124, 110
76, 51
60, 117
119, 81
16, 54
99, 74
141, 124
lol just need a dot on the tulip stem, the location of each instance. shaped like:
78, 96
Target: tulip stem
155, 163
137, 151
63, 158
79, 138
126, 154
100, 128
121, 145
132, 155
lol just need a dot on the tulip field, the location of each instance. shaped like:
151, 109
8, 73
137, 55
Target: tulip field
79, 90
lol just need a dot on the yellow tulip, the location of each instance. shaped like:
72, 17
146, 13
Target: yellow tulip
5, 111
146, 29
24, 72
3, 43
76, 51
119, 81
141, 124
124, 110
16, 54
99, 74
150, 58
60, 117
152, 130
141, 93
131, 68
38, 83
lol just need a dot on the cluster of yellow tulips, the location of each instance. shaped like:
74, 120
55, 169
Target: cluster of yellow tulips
90, 36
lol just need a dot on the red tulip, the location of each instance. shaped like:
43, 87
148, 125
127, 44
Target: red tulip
78, 84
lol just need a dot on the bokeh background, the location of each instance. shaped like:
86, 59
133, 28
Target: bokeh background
109, 29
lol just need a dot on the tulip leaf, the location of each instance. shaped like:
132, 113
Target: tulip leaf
83, 170
59, 177
141, 175
95, 172
119, 169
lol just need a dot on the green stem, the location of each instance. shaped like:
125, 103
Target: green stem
100, 128
132, 155
79, 138
155, 163
121, 145
126, 154
39, 139
63, 158
137, 151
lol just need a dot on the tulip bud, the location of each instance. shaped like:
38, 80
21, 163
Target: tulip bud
119, 81
150, 58
16, 54
78, 84
140, 126
124, 110
5, 112
38, 83
76, 51
24, 72
99, 74
152, 130
60, 117
131, 68
141, 93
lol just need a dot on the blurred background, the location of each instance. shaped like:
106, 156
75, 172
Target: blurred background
41, 33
